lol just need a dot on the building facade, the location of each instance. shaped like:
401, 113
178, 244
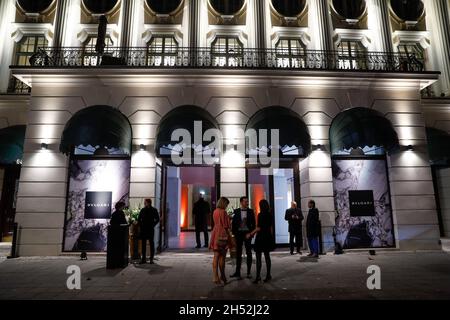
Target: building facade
356, 92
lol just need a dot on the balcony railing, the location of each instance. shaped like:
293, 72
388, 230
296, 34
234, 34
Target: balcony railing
243, 59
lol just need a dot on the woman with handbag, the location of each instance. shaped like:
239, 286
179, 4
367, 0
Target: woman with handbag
220, 240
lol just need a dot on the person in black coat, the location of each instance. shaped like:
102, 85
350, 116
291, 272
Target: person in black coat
264, 241
313, 229
118, 216
294, 217
243, 223
147, 220
201, 213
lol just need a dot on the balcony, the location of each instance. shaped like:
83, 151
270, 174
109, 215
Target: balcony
274, 59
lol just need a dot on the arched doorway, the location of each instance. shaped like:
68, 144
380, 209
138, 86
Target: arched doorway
186, 176
97, 140
281, 186
360, 139
11, 153
439, 152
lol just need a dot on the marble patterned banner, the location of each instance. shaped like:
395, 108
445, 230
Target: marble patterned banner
93, 176
362, 231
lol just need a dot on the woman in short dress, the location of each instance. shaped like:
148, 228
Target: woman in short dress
220, 240
264, 241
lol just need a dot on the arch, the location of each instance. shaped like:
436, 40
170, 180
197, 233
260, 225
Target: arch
350, 9
361, 127
97, 126
289, 8
11, 144
164, 7
33, 6
438, 146
410, 10
182, 117
227, 7
100, 6
294, 138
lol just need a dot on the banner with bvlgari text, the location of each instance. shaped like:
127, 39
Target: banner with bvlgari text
95, 186
362, 200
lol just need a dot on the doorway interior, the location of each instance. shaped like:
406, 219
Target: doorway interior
184, 185
280, 189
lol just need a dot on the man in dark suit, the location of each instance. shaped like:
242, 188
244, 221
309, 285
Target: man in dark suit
243, 223
294, 217
147, 220
201, 213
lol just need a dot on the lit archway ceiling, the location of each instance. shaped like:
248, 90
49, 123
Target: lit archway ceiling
227, 7
408, 10
11, 144
359, 128
164, 7
350, 9
100, 6
289, 8
34, 6
102, 126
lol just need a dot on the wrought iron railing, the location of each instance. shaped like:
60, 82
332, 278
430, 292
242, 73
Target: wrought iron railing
244, 59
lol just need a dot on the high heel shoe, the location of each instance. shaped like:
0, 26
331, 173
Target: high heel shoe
257, 280
224, 280
268, 278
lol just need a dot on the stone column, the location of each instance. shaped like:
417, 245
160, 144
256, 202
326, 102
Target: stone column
320, 25
194, 23
7, 14
438, 23
259, 9
127, 15
62, 13
380, 25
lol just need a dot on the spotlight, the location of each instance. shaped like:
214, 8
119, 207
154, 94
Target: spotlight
409, 147
44, 146
318, 147
142, 147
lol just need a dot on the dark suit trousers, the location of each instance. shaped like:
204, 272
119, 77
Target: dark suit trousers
198, 231
241, 241
298, 241
151, 239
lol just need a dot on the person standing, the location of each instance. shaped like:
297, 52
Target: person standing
294, 217
313, 229
220, 240
118, 216
264, 241
201, 212
147, 220
243, 223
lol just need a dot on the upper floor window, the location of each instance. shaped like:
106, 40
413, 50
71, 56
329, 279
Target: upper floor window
350, 9
90, 55
411, 50
289, 8
162, 51
227, 52
26, 48
164, 7
291, 53
351, 54
408, 10
100, 6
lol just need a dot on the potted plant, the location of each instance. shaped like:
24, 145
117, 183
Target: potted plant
132, 217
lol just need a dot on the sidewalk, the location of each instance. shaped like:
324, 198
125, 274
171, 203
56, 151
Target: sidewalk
404, 275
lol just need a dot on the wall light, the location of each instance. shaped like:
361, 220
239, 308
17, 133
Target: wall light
318, 147
409, 147
142, 147
44, 146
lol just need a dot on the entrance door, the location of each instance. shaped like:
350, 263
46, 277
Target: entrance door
183, 187
9, 178
280, 189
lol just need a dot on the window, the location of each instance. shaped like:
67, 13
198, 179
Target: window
291, 53
227, 52
26, 48
162, 51
411, 50
351, 54
90, 55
